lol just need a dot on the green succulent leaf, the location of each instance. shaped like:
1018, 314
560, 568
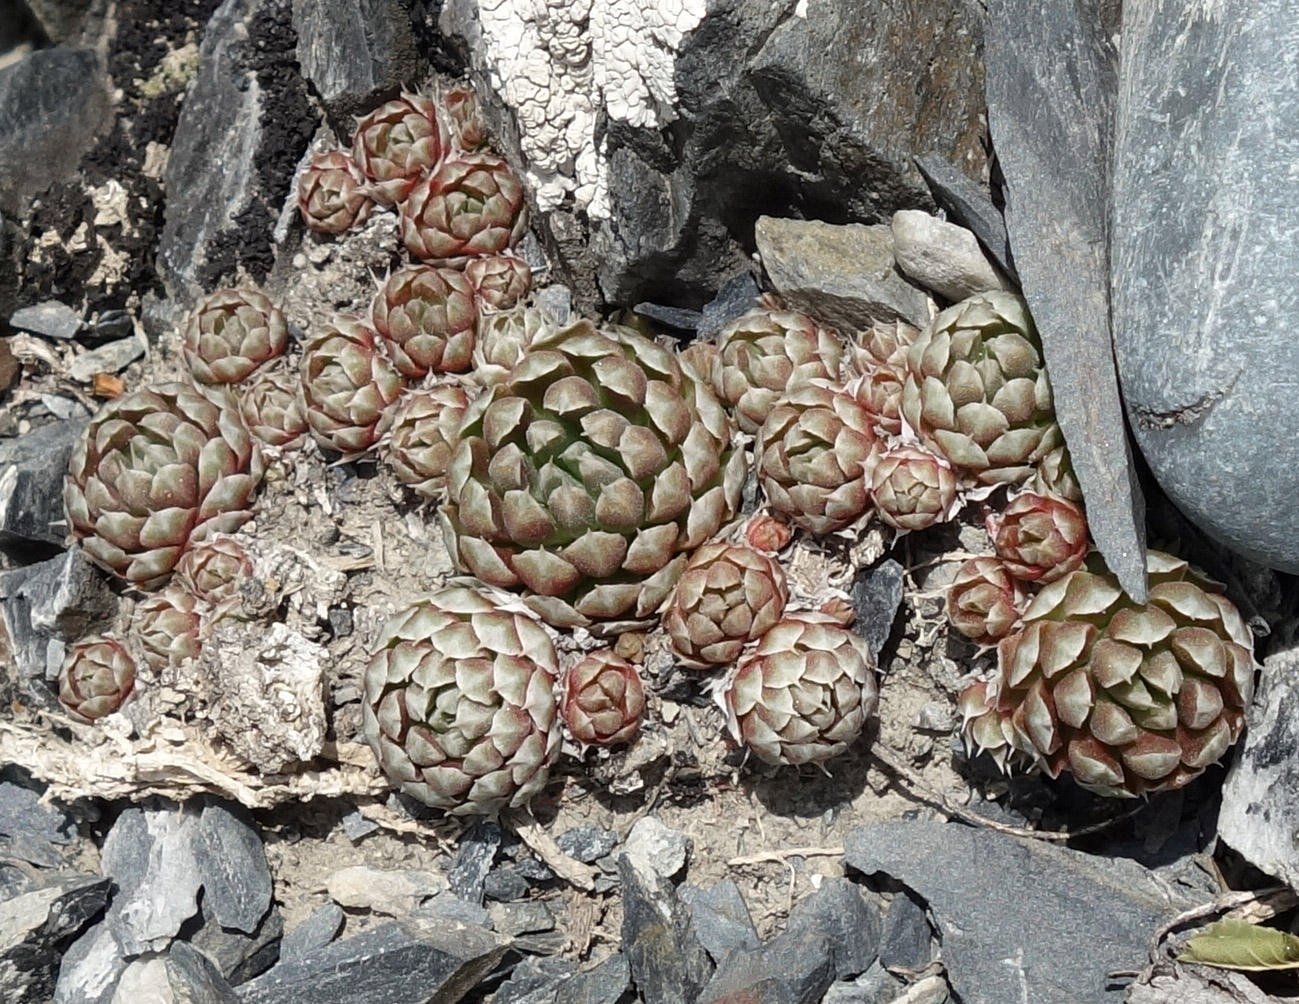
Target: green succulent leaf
1237, 944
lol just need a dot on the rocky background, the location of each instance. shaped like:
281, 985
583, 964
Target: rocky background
678, 158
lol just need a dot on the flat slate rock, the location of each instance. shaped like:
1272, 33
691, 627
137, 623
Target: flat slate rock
1205, 246
314, 933
31, 483
149, 854
30, 831
51, 319
1021, 919
232, 866
850, 924
390, 964
966, 203
1051, 89
1260, 799
906, 939
721, 919
355, 52
34, 927
667, 961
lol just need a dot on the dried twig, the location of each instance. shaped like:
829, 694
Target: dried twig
940, 802
543, 845
1274, 898
785, 854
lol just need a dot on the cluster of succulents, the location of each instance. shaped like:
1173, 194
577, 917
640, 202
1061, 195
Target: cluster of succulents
589, 476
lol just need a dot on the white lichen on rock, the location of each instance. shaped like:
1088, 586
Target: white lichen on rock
559, 65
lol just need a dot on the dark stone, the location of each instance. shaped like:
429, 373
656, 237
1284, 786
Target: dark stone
587, 843
875, 986
1051, 88
906, 940
31, 483
738, 295
110, 326
849, 923
473, 860
242, 130
965, 202
150, 856
668, 963
30, 831
671, 317
90, 969
602, 984
533, 870
69, 20
193, 979
876, 597
1205, 238
232, 866
356, 826
34, 929
721, 919
51, 319
390, 964
515, 919
535, 981
53, 103
238, 955
43, 607
315, 932
1069, 918
355, 52
111, 357
447, 907
844, 276
505, 885
1260, 800
795, 968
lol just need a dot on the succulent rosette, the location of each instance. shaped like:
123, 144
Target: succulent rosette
155, 468
427, 317
272, 410
1040, 538
699, 357
473, 205
913, 488
589, 475
231, 333
465, 118
397, 143
879, 391
502, 340
602, 699
727, 596
815, 454
767, 533
347, 387
424, 434
766, 353
884, 344
167, 627
1130, 698
459, 703
499, 280
984, 600
332, 193
1054, 475
977, 390
97, 676
803, 694
214, 570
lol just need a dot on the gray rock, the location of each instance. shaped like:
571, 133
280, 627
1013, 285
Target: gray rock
447, 907
656, 847
535, 981
602, 984
906, 940
51, 319
587, 843
966, 202
473, 860
875, 986
232, 867
238, 955
505, 885
315, 932
31, 831
391, 964
53, 105
514, 919
111, 357
668, 963
942, 257
1260, 800
31, 483
244, 126
721, 919
356, 826
1071, 918
1204, 242
43, 607
109, 326
35, 926
193, 979
150, 855
738, 295
355, 52
90, 969
672, 317
850, 924
795, 968
69, 20
876, 597
843, 275
1051, 85
392, 891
